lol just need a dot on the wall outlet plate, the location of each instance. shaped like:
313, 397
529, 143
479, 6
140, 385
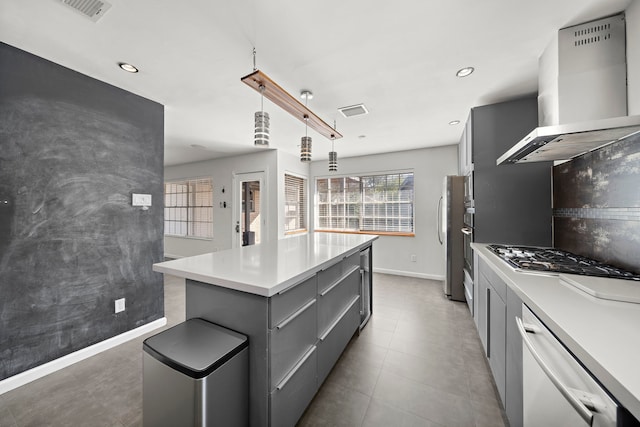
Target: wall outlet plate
140, 199
119, 305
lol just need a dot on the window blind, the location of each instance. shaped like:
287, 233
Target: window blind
374, 203
295, 203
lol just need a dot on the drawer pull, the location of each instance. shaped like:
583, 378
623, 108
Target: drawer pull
290, 319
339, 318
295, 369
337, 282
300, 282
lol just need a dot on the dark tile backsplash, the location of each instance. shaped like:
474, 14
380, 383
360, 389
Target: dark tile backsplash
596, 200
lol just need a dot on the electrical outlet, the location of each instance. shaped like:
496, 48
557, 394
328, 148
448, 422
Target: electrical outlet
119, 306
413, 258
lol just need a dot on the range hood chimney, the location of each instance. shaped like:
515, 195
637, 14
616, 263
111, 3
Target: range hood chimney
582, 101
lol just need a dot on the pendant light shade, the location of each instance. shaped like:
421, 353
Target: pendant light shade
261, 126
305, 149
261, 131
333, 161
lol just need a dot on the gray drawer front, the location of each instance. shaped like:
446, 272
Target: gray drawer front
330, 275
290, 340
333, 300
291, 397
334, 341
351, 261
282, 305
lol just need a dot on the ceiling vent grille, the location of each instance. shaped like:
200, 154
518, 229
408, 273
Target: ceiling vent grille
353, 110
92, 9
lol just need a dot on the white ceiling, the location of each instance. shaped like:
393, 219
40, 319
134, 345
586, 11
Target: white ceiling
399, 58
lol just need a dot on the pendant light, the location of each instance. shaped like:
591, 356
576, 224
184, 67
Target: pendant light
333, 156
305, 142
261, 118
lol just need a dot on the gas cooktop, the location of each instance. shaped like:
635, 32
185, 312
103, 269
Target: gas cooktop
555, 261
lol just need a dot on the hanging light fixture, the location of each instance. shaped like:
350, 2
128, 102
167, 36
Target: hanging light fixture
261, 118
261, 128
305, 143
333, 156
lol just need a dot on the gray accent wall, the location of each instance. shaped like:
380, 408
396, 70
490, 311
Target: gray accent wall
596, 200
72, 150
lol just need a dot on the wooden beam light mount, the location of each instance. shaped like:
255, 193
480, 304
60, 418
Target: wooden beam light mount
282, 98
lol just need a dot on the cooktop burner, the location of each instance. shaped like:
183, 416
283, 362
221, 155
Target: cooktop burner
551, 260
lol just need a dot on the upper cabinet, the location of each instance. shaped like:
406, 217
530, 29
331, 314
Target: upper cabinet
465, 149
512, 202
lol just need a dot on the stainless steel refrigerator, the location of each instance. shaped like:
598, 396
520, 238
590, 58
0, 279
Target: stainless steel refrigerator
450, 224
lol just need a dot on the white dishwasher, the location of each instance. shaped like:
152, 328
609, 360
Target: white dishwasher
557, 390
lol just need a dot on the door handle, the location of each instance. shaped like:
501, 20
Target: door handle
439, 219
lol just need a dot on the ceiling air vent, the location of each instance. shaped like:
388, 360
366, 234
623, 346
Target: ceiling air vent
92, 9
353, 110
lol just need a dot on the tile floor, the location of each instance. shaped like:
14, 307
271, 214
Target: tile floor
418, 362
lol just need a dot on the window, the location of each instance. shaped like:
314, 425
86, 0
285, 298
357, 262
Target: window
188, 208
376, 203
295, 202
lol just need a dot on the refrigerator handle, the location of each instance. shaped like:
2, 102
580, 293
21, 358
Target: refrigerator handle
439, 219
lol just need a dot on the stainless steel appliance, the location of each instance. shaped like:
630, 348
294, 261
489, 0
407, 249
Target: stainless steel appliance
450, 214
585, 62
557, 390
555, 261
366, 303
467, 239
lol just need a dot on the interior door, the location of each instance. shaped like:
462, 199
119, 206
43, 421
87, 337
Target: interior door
249, 217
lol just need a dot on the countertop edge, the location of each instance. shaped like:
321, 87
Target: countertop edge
261, 290
630, 401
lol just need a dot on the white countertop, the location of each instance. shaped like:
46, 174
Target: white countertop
604, 335
269, 267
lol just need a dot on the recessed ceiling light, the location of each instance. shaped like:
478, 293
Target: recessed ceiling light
464, 72
454, 122
127, 67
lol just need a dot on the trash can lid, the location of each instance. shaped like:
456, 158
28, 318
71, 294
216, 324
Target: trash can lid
195, 347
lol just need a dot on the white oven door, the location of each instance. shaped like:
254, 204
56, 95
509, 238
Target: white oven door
557, 390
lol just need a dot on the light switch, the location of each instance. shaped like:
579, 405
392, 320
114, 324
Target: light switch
140, 199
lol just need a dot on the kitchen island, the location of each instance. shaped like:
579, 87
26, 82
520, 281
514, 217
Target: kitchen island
299, 300
601, 333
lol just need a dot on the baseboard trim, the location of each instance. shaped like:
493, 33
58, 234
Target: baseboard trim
33, 374
408, 274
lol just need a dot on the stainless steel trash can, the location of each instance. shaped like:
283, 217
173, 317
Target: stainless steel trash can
195, 374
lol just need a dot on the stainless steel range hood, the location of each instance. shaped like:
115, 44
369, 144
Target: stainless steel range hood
582, 101
564, 142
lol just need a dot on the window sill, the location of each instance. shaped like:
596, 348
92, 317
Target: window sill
378, 233
293, 232
180, 236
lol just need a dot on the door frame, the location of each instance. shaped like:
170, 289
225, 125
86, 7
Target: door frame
236, 201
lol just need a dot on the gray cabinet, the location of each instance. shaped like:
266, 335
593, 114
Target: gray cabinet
513, 392
295, 337
512, 202
492, 323
465, 149
498, 307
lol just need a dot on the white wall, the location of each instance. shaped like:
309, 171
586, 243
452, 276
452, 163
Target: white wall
392, 254
633, 57
222, 172
290, 164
